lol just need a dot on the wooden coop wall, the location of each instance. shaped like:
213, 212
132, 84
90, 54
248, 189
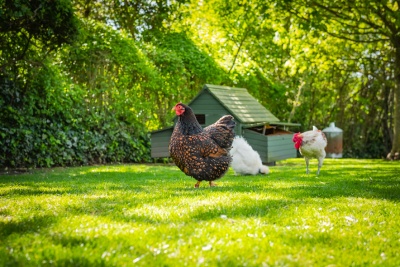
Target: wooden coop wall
160, 143
271, 147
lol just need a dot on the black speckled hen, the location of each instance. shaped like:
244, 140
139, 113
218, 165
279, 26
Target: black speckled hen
201, 153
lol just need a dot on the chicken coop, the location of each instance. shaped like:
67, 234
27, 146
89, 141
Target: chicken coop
263, 131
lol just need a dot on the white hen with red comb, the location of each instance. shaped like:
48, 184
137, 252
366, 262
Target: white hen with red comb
311, 144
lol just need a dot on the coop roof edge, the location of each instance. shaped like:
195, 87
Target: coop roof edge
278, 123
264, 115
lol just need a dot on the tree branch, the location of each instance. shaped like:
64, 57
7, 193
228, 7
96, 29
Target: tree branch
238, 50
348, 17
22, 54
390, 25
355, 40
343, 19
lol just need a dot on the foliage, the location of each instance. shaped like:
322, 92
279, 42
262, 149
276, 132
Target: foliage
377, 58
145, 215
94, 101
184, 69
110, 71
41, 134
51, 23
46, 143
314, 76
49, 121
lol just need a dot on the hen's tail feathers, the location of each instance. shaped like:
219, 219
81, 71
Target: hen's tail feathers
264, 169
228, 121
314, 128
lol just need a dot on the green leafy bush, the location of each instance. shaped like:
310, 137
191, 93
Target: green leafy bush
47, 120
45, 143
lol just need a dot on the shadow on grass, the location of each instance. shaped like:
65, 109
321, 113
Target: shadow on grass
357, 189
247, 209
32, 224
107, 193
47, 183
333, 182
52, 260
312, 187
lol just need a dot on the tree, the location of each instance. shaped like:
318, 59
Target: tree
29, 31
142, 19
291, 63
375, 22
42, 23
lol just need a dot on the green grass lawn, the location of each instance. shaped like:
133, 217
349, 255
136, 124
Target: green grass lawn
151, 215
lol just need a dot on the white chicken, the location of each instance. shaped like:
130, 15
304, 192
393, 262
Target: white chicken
311, 144
245, 160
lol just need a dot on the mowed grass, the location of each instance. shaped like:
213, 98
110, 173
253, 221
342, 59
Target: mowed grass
151, 215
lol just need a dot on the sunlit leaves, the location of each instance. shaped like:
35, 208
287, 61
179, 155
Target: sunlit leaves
291, 42
307, 61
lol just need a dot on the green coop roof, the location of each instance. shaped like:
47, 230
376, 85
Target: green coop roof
240, 103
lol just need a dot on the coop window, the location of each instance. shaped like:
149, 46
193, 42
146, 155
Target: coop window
201, 118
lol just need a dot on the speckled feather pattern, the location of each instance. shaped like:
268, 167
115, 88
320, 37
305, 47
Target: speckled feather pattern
202, 154
222, 131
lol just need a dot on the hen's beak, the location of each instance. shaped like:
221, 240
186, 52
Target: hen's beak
179, 110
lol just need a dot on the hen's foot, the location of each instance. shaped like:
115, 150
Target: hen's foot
212, 184
197, 184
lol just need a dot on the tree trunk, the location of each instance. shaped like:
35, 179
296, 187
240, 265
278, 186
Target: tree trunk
394, 153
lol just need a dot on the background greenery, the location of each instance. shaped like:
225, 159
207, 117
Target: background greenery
151, 215
84, 82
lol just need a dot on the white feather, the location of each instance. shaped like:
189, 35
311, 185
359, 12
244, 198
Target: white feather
245, 160
313, 146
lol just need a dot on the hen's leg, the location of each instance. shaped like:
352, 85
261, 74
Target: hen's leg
197, 184
320, 161
307, 162
212, 183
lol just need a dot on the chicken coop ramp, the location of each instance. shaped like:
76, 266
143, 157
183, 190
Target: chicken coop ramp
243, 106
